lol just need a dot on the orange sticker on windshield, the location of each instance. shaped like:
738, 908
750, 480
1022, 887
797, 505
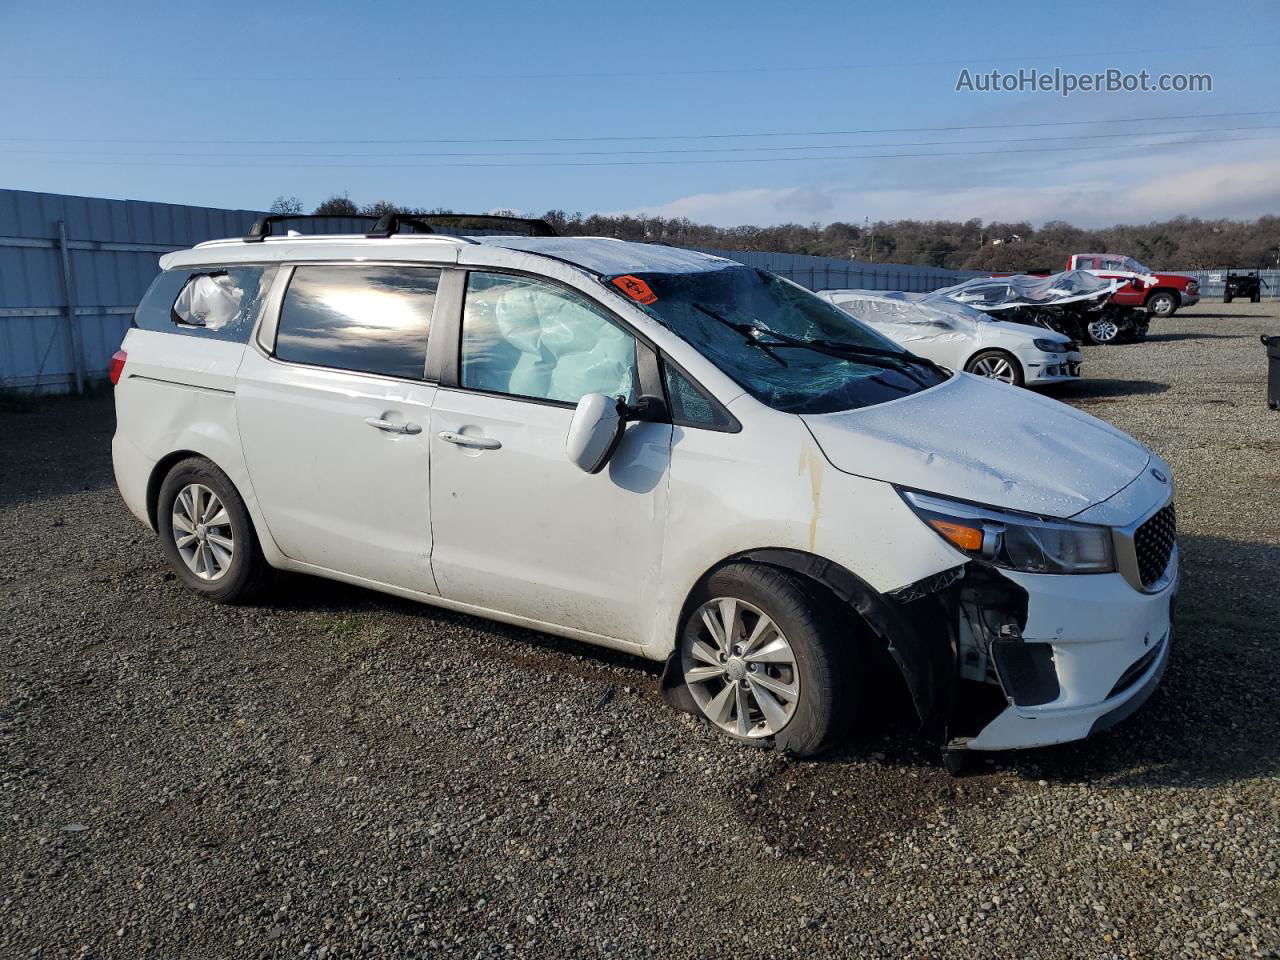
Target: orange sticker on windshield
635, 288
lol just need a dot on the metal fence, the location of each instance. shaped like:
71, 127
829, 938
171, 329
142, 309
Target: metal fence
1214, 282
831, 273
72, 270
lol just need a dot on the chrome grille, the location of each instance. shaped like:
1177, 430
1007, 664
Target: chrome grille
1153, 543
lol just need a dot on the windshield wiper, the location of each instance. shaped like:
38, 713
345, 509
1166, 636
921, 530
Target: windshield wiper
749, 333
860, 351
900, 361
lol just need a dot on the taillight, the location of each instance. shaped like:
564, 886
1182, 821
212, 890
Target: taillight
117, 365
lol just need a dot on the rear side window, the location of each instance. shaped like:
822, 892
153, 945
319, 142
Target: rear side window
367, 319
218, 304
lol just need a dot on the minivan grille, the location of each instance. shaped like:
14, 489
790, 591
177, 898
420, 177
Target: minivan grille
1153, 543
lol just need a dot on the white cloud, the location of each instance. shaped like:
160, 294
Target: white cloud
1135, 189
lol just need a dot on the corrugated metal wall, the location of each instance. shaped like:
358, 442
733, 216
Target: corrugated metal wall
112, 251
1214, 282
830, 273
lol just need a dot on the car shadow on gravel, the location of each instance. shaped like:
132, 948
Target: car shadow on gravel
1104, 389
55, 446
1198, 315
519, 646
1172, 337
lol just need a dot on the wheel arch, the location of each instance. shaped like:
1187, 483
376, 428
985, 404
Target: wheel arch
1156, 291
159, 472
912, 626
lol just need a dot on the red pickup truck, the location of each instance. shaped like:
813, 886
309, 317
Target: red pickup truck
1159, 293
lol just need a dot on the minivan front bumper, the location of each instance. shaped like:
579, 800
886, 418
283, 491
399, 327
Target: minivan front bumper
1104, 644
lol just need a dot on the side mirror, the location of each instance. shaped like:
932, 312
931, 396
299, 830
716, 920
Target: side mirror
594, 432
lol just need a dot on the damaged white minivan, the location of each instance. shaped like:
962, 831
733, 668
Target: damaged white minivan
658, 451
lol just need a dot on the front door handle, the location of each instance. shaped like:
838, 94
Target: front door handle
462, 440
390, 426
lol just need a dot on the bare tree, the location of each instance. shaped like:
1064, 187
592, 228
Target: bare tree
286, 205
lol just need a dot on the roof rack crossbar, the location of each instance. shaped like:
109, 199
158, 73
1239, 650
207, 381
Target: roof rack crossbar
390, 223
535, 227
261, 228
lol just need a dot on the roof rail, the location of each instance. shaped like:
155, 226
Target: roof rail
261, 228
461, 221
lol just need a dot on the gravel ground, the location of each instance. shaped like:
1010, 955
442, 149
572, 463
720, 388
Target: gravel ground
340, 774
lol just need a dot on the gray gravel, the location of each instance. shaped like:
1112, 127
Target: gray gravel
340, 774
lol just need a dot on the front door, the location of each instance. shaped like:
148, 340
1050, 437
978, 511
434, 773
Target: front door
335, 425
517, 527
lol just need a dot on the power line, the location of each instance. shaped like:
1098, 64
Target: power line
382, 76
292, 164
623, 153
651, 137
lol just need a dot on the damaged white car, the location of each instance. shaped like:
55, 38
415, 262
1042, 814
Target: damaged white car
654, 450
962, 338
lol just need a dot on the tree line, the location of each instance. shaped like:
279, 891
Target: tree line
1183, 243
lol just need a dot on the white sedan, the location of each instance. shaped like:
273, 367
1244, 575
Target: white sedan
959, 337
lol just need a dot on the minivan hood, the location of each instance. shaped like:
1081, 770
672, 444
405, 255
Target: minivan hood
980, 440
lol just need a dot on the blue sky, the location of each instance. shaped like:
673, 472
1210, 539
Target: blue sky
198, 104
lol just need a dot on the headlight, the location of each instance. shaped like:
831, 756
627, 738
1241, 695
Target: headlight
1018, 541
1050, 346
1192, 287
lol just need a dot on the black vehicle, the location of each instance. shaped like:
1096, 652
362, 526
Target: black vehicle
1241, 285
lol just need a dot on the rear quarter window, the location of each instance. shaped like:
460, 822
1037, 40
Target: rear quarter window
215, 303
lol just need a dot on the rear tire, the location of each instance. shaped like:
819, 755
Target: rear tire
207, 535
1162, 305
1256, 298
789, 685
996, 365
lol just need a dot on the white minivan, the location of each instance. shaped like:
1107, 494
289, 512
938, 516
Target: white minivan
655, 450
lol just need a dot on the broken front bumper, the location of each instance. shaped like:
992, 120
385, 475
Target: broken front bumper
1092, 651
1053, 367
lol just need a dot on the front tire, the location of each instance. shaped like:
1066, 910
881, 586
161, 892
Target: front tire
1162, 305
764, 661
996, 365
1102, 331
206, 533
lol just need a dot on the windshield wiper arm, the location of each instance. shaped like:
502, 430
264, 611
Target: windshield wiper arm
749, 333
899, 360
902, 356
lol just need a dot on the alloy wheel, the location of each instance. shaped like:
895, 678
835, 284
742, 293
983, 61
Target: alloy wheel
740, 668
996, 368
202, 532
1103, 331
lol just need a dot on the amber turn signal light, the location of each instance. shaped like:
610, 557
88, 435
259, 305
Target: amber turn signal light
968, 539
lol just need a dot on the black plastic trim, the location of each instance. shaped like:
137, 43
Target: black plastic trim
1131, 706
261, 228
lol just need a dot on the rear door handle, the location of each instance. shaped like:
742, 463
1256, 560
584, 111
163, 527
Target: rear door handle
390, 426
462, 440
